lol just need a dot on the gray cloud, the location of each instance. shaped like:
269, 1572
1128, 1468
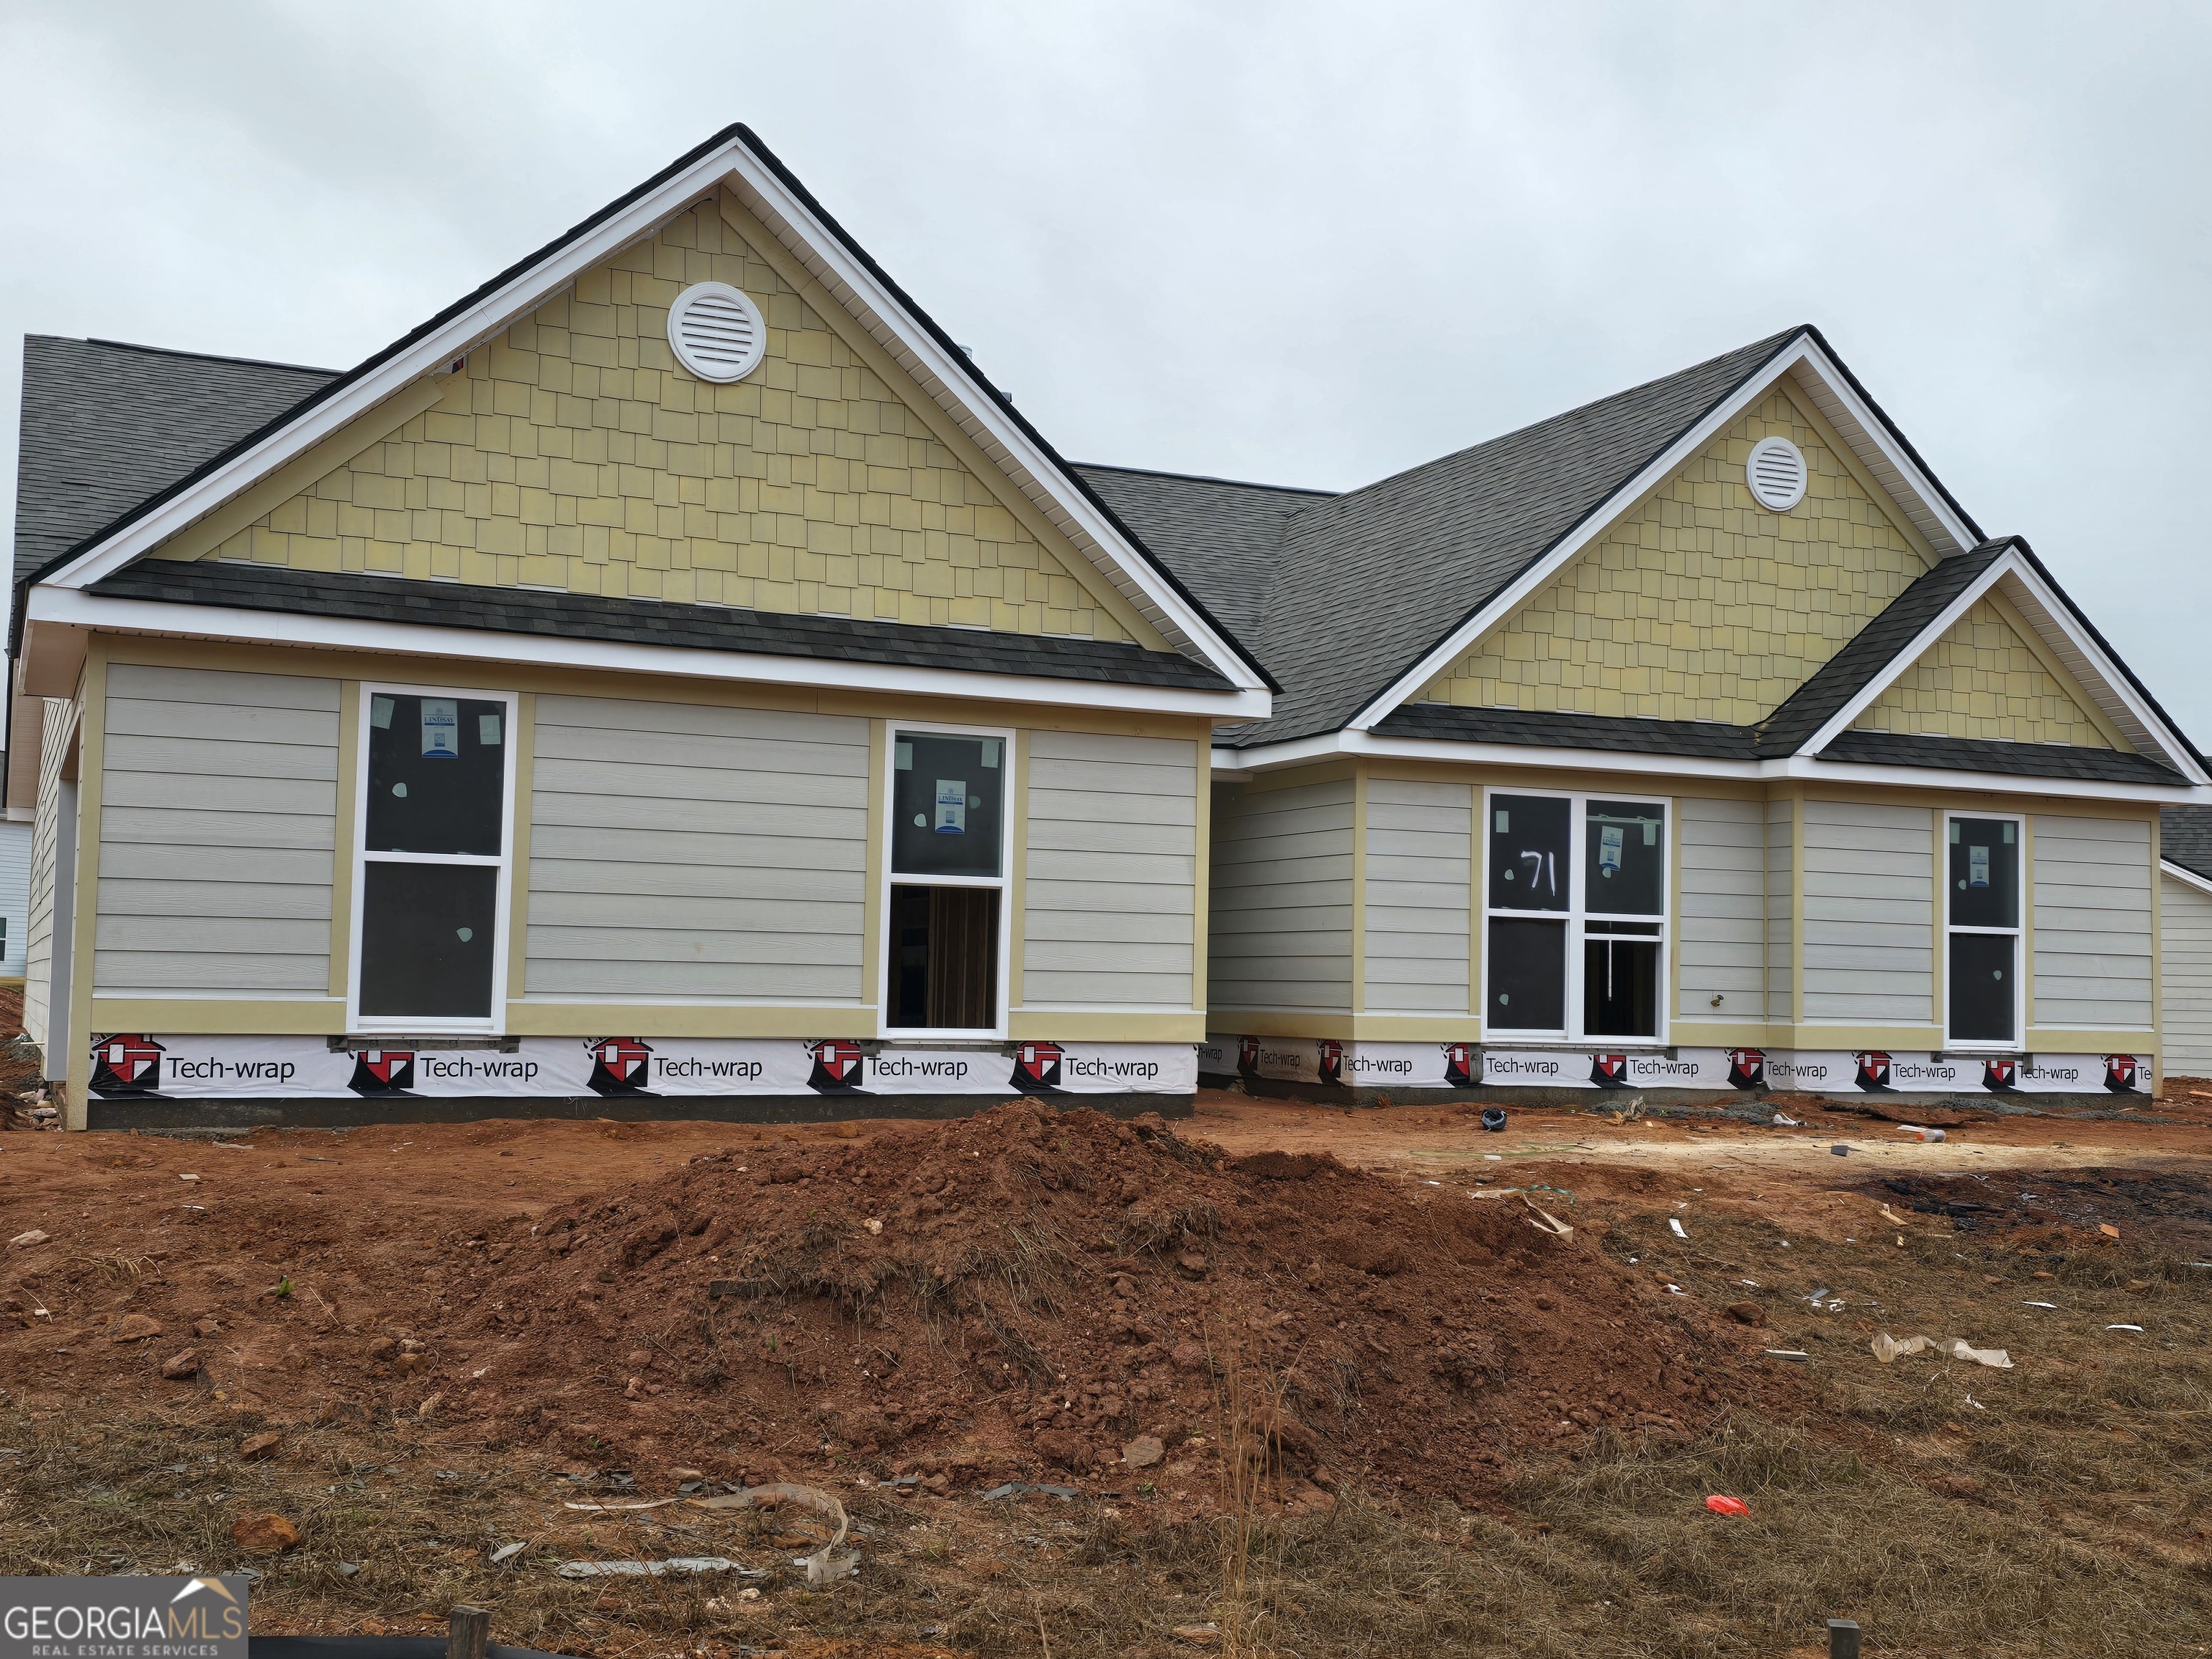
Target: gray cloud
1305, 243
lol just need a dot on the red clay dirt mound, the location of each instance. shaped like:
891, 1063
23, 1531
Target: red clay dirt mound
1024, 1290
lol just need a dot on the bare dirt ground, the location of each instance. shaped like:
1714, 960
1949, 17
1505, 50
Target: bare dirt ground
1473, 1434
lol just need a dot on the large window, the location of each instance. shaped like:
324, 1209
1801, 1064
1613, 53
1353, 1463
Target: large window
432, 840
945, 916
1982, 891
1574, 894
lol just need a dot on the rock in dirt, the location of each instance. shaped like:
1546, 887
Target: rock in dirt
1747, 1313
182, 1368
261, 1445
26, 1240
264, 1535
1068, 1451
207, 1327
1142, 1452
137, 1328
1189, 1356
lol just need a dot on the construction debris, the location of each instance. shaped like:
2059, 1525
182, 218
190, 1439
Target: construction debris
682, 1566
1887, 1347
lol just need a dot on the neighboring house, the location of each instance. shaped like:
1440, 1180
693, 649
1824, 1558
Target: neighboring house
673, 670
2184, 945
15, 893
1696, 737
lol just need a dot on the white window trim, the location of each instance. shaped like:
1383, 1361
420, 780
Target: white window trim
1576, 916
1004, 882
2018, 931
494, 1024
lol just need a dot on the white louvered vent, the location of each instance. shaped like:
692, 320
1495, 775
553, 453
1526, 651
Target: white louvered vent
1775, 473
716, 332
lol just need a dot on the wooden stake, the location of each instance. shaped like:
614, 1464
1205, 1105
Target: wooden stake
469, 1633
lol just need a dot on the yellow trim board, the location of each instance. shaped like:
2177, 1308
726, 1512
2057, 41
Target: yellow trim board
645, 1019
1102, 1025
221, 1016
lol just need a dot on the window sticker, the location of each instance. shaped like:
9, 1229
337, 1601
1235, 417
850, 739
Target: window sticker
1977, 866
488, 730
951, 807
1504, 822
441, 729
1609, 847
380, 712
990, 756
903, 756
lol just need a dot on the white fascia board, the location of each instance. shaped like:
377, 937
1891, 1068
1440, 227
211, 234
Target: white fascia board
1804, 361
2093, 669
737, 167
2187, 877
1878, 449
1232, 765
999, 436
50, 606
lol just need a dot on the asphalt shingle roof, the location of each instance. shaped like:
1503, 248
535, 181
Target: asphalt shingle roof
646, 622
2184, 837
2020, 760
107, 426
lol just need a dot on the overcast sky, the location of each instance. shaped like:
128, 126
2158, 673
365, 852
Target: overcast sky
1305, 243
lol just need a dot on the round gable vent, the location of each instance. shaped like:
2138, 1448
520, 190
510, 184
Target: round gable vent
716, 332
1775, 473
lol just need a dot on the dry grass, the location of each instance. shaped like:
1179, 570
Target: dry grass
2068, 1515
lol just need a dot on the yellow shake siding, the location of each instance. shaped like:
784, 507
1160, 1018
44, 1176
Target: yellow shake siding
1982, 680
1698, 604
573, 454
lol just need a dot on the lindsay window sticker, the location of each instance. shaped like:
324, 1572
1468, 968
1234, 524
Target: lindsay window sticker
1977, 866
1608, 849
951, 807
441, 729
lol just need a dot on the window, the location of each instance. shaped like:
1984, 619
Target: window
1575, 901
1982, 968
945, 917
432, 841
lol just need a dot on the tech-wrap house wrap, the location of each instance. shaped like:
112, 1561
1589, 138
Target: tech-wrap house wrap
1695, 738
672, 671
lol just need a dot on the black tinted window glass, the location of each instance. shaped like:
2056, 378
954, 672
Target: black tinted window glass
1528, 853
1528, 975
426, 939
437, 774
948, 803
1981, 988
1620, 987
1625, 859
1984, 865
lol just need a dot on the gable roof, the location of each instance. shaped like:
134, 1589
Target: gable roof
107, 426
1443, 540
735, 158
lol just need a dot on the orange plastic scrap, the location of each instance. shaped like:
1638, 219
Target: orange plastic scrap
1720, 1505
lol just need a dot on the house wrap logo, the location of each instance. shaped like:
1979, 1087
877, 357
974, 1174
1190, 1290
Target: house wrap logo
2000, 1077
837, 1069
1329, 1060
1036, 1066
1874, 1072
127, 1067
1747, 1069
119, 1618
620, 1065
2121, 1073
1610, 1072
1247, 1057
1459, 1064
383, 1071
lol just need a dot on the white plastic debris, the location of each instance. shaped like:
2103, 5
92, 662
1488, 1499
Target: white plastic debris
682, 1566
507, 1553
1887, 1347
824, 1567
1676, 1227
2051, 1306
2137, 1329
25, 1241
1915, 1130
1788, 1122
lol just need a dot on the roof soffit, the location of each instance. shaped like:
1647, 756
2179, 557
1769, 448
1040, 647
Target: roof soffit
734, 160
